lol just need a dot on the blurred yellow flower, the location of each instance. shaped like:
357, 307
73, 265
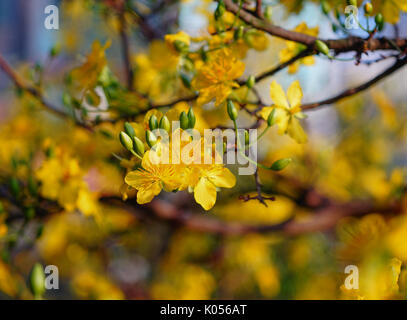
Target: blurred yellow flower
287, 112
294, 48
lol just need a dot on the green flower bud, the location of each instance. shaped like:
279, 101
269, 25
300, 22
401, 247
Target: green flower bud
151, 138
251, 82
232, 111
126, 141
185, 81
184, 121
271, 119
14, 186
280, 164
138, 146
337, 14
165, 124
322, 47
153, 122
326, 7
204, 55
181, 46
37, 281
220, 10
268, 12
128, 128
239, 32
54, 51
353, 3
368, 8
40, 230
191, 118
246, 137
379, 21
30, 213
32, 186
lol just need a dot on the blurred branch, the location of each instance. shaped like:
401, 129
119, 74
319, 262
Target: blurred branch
339, 45
124, 39
323, 220
350, 92
19, 83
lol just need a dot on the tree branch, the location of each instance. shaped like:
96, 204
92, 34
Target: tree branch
350, 92
339, 45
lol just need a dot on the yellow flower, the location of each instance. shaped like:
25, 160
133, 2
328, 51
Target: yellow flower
86, 76
390, 9
62, 180
152, 178
287, 112
3, 230
211, 178
172, 39
215, 79
294, 48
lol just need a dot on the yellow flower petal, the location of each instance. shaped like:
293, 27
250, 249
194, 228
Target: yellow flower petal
205, 193
222, 178
294, 94
278, 95
145, 195
296, 132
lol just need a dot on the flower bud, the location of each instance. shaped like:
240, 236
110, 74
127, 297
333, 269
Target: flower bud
153, 122
268, 12
165, 124
184, 121
239, 32
280, 164
128, 128
246, 138
251, 82
271, 119
191, 119
322, 47
14, 186
126, 141
220, 10
37, 281
368, 8
185, 81
379, 21
232, 111
326, 7
138, 146
151, 138
29, 213
353, 3
181, 46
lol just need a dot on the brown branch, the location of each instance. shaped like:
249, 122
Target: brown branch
350, 92
259, 11
273, 71
19, 83
323, 220
339, 45
124, 39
